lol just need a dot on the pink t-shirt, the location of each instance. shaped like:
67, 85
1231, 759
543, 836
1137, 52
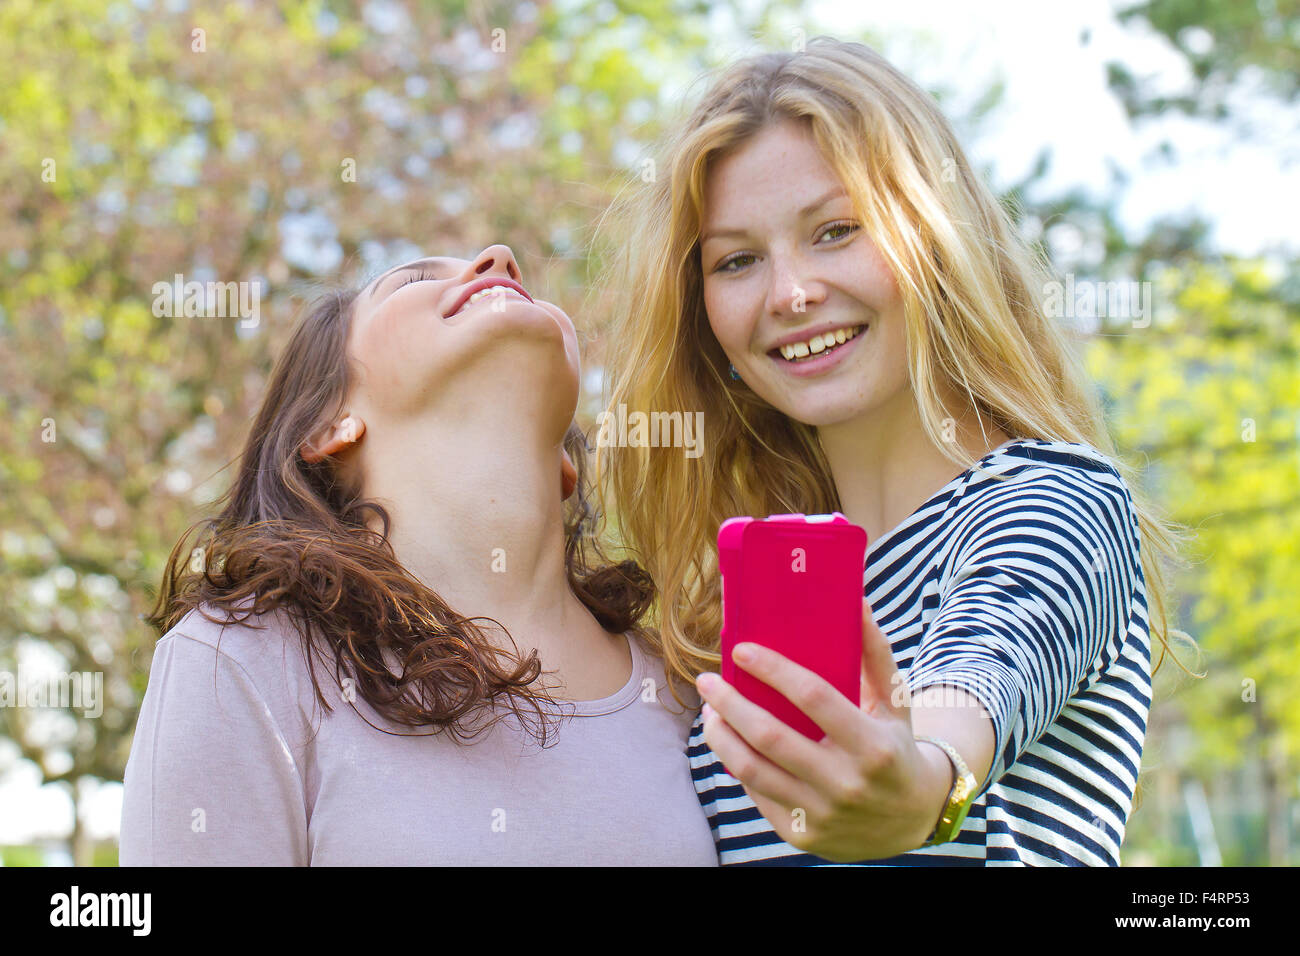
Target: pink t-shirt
235, 762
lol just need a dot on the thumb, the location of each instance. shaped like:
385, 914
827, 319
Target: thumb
883, 689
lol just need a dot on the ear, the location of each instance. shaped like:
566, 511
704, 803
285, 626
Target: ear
568, 475
332, 439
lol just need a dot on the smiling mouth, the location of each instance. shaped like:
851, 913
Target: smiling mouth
817, 346
488, 293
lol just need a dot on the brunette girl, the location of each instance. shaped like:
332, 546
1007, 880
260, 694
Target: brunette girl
396, 644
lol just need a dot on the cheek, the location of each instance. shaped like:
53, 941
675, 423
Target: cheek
395, 349
384, 340
726, 318
891, 359
881, 280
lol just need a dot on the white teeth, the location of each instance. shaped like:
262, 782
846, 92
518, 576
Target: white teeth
818, 343
484, 293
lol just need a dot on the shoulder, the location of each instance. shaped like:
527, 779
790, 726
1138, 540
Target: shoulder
1026, 461
252, 642
1048, 505
1054, 481
264, 653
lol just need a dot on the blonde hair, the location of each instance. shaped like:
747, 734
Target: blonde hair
975, 323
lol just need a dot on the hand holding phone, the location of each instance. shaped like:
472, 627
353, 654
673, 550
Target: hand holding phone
793, 583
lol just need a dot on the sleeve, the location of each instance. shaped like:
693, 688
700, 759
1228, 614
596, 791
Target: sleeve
1036, 606
211, 780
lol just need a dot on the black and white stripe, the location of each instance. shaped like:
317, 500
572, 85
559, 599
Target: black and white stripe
1027, 592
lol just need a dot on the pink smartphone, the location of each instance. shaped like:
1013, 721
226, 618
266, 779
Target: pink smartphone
794, 583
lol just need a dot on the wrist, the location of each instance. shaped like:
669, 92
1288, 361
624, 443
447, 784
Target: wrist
938, 780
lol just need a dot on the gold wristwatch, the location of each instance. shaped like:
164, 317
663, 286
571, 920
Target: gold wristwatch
960, 797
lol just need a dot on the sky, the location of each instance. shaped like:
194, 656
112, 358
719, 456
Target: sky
1056, 96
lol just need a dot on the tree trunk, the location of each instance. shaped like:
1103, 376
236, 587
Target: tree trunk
1275, 780
79, 840
1277, 800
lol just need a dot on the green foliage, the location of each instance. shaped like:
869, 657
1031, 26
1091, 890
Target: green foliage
1223, 44
22, 856
1209, 397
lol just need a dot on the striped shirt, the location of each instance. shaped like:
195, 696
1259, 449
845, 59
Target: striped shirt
1027, 593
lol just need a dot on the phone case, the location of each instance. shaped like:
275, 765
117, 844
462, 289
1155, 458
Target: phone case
794, 583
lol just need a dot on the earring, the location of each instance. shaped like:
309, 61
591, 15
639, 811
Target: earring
735, 376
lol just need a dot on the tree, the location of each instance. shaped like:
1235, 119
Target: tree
1209, 396
1227, 46
267, 146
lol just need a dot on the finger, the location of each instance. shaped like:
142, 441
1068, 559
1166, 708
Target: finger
810, 692
883, 686
758, 775
768, 735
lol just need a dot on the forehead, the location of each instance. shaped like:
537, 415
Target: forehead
762, 166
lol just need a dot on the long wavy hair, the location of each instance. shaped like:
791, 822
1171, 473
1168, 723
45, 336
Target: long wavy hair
973, 301
298, 537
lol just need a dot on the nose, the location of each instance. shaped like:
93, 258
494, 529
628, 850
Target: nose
497, 258
793, 286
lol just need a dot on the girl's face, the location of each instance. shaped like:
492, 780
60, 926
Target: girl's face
462, 330
797, 294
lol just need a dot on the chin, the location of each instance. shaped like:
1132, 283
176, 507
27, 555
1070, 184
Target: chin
534, 323
526, 348
537, 363
824, 416
819, 411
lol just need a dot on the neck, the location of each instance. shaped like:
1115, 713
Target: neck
477, 517
885, 466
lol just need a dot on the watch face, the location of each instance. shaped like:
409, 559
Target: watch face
965, 787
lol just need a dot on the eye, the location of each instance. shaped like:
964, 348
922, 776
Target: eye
420, 276
726, 264
839, 230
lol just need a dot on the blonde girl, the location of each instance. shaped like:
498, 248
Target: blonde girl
820, 271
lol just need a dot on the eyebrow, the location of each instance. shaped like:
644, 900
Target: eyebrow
418, 265
812, 207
